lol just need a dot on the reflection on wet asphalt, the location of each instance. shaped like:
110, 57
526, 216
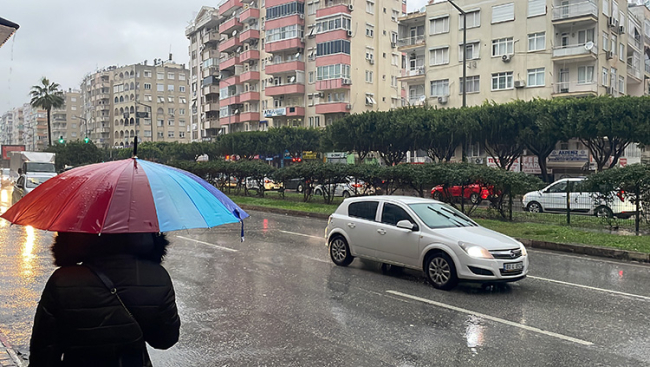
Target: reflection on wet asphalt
277, 300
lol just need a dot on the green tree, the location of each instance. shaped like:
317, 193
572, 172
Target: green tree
395, 134
47, 96
439, 132
500, 127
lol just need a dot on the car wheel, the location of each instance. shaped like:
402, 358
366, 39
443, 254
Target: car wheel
300, 188
475, 198
437, 196
440, 271
346, 194
318, 192
603, 212
534, 207
340, 251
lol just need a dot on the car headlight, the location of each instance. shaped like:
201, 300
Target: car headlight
475, 251
523, 250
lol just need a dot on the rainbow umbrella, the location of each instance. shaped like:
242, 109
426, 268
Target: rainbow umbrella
126, 196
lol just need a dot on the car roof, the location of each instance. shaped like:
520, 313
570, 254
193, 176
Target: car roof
399, 198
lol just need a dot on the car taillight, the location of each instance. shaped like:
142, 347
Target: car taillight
620, 195
267, 181
356, 185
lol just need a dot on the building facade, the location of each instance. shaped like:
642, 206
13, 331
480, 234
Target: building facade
522, 50
272, 63
150, 101
65, 121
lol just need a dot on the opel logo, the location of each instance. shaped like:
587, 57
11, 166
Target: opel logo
513, 254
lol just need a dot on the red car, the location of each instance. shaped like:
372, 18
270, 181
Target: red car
473, 193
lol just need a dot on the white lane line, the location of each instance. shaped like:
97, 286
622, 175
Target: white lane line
588, 257
208, 243
301, 234
495, 319
590, 288
315, 259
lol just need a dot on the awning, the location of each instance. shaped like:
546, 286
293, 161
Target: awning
7, 29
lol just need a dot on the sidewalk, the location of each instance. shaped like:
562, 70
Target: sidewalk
8, 357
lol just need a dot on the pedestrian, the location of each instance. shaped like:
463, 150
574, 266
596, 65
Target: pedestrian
19, 188
109, 296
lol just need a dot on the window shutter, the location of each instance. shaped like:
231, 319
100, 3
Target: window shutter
536, 7
502, 13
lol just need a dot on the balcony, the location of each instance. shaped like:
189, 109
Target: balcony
634, 72
272, 3
285, 67
289, 44
410, 43
210, 37
298, 19
232, 119
339, 83
250, 13
574, 10
229, 44
251, 75
249, 34
210, 89
209, 54
227, 63
230, 25
284, 111
635, 42
230, 100
249, 96
417, 100
413, 75
334, 7
333, 107
228, 8
573, 89
211, 123
647, 68
249, 55
575, 52
249, 116
206, 72
284, 89
214, 106
231, 80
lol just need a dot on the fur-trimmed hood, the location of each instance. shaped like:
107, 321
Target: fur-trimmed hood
72, 248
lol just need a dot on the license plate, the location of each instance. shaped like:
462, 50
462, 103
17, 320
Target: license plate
513, 266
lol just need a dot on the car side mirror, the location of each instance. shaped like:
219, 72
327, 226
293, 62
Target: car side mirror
405, 224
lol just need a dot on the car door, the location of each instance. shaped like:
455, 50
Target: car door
361, 227
395, 244
554, 196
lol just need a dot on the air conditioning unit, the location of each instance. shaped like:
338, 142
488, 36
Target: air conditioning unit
349, 33
609, 55
371, 61
506, 58
621, 29
393, 44
302, 39
443, 99
520, 83
347, 81
609, 90
350, 7
612, 21
321, 94
348, 106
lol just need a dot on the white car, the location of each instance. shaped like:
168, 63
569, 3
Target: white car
269, 184
553, 198
423, 234
349, 187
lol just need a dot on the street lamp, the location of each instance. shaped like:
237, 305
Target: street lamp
86, 139
464, 84
137, 119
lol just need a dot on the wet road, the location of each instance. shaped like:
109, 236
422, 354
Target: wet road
277, 300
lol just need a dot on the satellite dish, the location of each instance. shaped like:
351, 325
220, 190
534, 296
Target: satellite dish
291, 79
422, 98
238, 49
236, 112
234, 33
298, 55
589, 45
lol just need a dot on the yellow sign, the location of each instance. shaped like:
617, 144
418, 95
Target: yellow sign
308, 155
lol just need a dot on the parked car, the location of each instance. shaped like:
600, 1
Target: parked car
349, 187
553, 198
6, 177
297, 184
269, 184
473, 193
423, 234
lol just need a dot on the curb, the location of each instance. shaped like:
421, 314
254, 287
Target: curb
573, 248
17, 361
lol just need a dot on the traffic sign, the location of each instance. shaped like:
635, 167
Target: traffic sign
143, 115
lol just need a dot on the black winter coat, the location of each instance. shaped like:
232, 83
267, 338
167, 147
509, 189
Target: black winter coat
80, 319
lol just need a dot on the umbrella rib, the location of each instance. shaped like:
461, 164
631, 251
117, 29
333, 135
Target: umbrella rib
110, 201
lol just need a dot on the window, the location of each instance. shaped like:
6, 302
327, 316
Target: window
181, 89
501, 81
370, 7
614, 47
181, 122
160, 134
473, 19
160, 87
536, 7
503, 13
160, 122
472, 51
284, 10
170, 122
160, 76
170, 76
605, 41
439, 25
170, 134
333, 72
393, 81
370, 30
585, 74
370, 53
170, 99
472, 83
170, 111
363, 209
148, 97
311, 8
536, 77
606, 7
395, 15
161, 99
621, 51
370, 100
537, 41
621, 84
614, 79
394, 59
181, 134
368, 76
147, 73
393, 214
170, 87
502, 46
181, 111
282, 33
605, 77
439, 56
182, 100
440, 88
333, 47
181, 76
330, 24
586, 35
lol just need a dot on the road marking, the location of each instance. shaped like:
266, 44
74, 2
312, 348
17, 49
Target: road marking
301, 234
495, 319
315, 259
208, 243
590, 288
588, 257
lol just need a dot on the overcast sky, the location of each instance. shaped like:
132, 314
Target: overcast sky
66, 39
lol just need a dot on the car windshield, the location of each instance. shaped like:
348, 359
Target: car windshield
436, 215
35, 181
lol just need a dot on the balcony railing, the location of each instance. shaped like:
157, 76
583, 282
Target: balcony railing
574, 50
575, 9
574, 87
413, 72
411, 41
636, 42
647, 68
634, 71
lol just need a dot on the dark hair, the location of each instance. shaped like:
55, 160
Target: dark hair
71, 248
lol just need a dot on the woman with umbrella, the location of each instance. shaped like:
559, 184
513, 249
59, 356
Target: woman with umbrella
111, 295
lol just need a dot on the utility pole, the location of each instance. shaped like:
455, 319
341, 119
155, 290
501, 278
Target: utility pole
464, 83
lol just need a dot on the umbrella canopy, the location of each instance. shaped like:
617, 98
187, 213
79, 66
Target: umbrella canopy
127, 196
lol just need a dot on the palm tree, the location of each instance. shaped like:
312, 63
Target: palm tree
47, 96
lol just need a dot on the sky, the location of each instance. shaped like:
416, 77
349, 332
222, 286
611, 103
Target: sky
67, 39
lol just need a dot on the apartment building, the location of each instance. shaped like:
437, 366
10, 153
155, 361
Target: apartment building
522, 49
272, 63
64, 121
34, 132
150, 101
